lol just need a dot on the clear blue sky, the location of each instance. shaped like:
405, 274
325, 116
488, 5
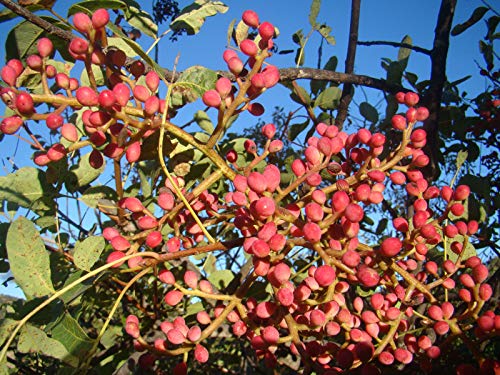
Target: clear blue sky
380, 20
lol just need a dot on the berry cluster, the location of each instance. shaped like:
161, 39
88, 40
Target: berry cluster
354, 306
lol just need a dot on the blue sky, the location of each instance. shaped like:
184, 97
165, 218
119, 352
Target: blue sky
380, 20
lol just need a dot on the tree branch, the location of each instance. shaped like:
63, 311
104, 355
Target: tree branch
347, 90
432, 98
425, 51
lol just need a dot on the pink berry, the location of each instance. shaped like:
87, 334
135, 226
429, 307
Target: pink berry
45, 47
114, 256
250, 18
354, 212
201, 353
324, 275
100, 18
211, 98
173, 297
248, 47
24, 104
266, 30
391, 247
10, 125
9, 75
87, 97
82, 22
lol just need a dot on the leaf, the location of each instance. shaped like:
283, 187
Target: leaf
94, 194
82, 174
404, 53
461, 158
328, 99
241, 32
325, 31
368, 112
21, 40
34, 340
299, 94
141, 20
192, 17
194, 308
192, 84
99, 76
230, 32
320, 85
204, 121
487, 52
28, 187
6, 327
69, 333
313, 12
221, 278
88, 251
475, 17
29, 261
296, 129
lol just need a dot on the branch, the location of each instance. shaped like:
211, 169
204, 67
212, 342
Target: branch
347, 90
425, 51
432, 98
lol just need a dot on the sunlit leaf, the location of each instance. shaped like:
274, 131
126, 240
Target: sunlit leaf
192, 17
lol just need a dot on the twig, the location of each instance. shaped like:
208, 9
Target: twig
425, 51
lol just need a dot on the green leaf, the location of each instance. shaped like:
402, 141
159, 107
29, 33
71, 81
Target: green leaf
295, 129
194, 308
99, 76
325, 31
88, 251
404, 53
204, 121
368, 112
192, 17
6, 327
29, 261
192, 84
487, 52
475, 17
32, 339
141, 20
328, 99
461, 158
82, 174
221, 278
299, 95
94, 194
313, 12
21, 40
28, 187
69, 333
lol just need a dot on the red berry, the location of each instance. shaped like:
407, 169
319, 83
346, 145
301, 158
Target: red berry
24, 104
411, 99
312, 232
250, 18
10, 125
173, 297
354, 213
82, 22
201, 353
211, 98
324, 275
9, 75
100, 18
45, 47
266, 30
248, 47
87, 97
